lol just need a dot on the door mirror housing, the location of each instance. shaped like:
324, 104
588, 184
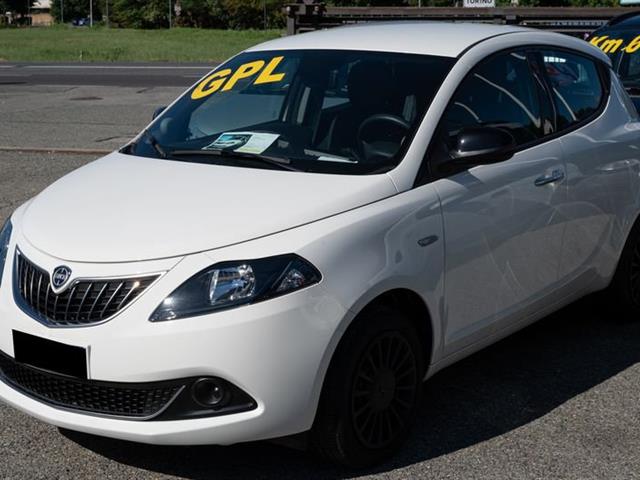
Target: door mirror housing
482, 146
157, 112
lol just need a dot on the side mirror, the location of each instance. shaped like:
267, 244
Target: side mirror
482, 145
157, 112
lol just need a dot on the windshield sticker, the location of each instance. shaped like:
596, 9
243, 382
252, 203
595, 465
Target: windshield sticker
613, 45
224, 80
243, 142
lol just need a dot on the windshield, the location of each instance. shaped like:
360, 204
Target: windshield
623, 47
344, 112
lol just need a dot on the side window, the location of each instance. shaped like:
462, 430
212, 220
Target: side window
500, 92
575, 84
629, 67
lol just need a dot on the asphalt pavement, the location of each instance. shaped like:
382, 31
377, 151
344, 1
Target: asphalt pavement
103, 74
559, 400
54, 117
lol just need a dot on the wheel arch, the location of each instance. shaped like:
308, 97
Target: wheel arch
405, 299
414, 307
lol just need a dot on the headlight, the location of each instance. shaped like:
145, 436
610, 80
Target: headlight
5, 236
231, 284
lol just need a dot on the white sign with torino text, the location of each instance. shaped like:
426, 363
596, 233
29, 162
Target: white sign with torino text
479, 3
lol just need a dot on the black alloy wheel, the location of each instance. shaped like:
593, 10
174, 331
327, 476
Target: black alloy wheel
372, 390
384, 391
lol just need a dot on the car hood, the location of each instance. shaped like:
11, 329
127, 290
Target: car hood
123, 208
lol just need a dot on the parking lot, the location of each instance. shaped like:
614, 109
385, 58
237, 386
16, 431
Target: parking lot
560, 399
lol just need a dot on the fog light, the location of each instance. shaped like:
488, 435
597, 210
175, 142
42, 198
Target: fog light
210, 393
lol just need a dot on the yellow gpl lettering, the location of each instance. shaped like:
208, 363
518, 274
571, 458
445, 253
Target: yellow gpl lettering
244, 71
267, 75
211, 84
225, 80
611, 45
633, 45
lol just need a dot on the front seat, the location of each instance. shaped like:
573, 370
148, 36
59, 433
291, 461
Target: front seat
370, 89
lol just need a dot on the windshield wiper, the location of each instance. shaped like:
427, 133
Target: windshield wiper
280, 162
154, 143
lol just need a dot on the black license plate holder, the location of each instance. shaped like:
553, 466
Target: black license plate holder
45, 354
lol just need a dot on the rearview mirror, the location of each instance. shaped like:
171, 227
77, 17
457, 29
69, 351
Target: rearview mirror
482, 145
157, 112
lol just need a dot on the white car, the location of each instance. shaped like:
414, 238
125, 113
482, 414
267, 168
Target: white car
316, 227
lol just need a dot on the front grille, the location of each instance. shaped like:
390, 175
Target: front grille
123, 400
84, 302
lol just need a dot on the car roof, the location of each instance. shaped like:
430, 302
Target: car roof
423, 37
629, 20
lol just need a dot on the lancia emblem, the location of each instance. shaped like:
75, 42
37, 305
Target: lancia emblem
60, 277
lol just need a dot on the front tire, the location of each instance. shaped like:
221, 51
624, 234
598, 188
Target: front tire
372, 391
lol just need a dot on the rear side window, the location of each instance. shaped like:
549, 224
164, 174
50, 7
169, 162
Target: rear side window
499, 92
576, 86
630, 68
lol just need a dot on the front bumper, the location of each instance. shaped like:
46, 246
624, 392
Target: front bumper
224, 430
276, 351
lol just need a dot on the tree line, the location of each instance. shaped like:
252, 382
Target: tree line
224, 14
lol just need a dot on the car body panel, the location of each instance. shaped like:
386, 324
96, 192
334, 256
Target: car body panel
603, 168
486, 250
200, 207
498, 224
423, 38
345, 248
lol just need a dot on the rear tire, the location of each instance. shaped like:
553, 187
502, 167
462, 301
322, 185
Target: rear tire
372, 391
624, 291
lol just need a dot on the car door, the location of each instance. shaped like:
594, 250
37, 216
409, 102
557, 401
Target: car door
502, 221
601, 153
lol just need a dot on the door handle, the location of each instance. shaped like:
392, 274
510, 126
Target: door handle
554, 176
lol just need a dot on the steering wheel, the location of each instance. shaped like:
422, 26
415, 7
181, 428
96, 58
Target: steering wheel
368, 149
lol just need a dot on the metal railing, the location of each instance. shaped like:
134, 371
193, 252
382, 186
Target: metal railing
307, 15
